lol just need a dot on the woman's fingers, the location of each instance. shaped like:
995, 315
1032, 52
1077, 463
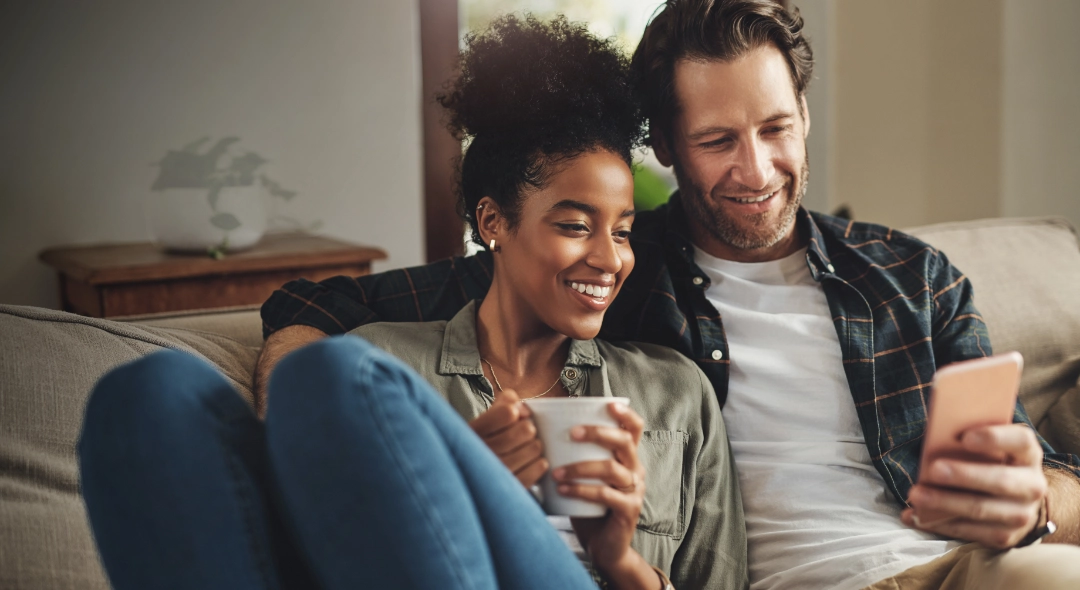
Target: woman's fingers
620, 442
628, 420
525, 454
496, 418
626, 505
532, 472
512, 437
612, 473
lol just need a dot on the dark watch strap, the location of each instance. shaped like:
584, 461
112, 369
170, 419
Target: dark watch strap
1042, 529
1036, 536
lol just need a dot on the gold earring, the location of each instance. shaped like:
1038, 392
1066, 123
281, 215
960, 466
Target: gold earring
491, 246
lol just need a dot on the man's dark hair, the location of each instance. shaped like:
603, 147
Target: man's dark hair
721, 30
529, 96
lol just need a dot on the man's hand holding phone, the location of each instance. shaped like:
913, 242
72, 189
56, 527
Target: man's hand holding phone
981, 477
993, 503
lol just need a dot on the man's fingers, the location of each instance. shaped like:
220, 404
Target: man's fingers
1015, 443
511, 437
496, 418
993, 536
1004, 481
974, 508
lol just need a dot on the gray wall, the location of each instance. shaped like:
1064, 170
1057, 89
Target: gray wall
92, 93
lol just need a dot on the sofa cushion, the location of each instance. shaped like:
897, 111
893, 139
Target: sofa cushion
49, 362
1026, 276
242, 324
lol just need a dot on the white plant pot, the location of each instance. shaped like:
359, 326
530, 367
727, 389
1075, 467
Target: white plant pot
184, 220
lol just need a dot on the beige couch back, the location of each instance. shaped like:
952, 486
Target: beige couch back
48, 364
1026, 275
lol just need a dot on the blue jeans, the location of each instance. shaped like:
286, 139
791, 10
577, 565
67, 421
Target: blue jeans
361, 477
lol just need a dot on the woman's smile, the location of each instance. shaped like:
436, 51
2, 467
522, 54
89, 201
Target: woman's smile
595, 296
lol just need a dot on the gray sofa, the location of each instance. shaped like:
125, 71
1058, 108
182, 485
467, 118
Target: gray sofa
1026, 274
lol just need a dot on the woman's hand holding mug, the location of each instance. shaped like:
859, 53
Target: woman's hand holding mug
607, 539
508, 430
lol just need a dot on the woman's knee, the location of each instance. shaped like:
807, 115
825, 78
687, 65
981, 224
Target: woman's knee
319, 371
153, 396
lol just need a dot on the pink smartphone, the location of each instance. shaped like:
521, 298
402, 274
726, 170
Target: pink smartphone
966, 395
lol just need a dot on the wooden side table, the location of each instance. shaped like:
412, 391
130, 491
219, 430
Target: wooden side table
137, 278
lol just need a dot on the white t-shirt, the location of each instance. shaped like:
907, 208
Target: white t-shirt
818, 515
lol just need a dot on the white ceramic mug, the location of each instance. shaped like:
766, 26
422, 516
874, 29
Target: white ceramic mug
554, 417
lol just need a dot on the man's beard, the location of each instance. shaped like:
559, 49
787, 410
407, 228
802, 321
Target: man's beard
756, 231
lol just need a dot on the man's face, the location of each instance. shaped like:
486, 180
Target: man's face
738, 147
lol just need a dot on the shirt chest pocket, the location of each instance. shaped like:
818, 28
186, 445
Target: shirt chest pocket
662, 452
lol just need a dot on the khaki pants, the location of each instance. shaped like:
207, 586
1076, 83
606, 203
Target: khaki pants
973, 567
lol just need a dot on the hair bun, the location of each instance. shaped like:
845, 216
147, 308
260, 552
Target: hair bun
526, 77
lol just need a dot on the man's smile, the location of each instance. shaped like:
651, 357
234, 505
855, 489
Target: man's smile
754, 204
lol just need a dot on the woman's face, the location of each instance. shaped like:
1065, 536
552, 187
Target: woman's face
570, 252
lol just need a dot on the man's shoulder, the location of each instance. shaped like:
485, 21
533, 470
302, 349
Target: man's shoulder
869, 240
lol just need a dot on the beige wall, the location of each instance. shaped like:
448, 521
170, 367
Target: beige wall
819, 16
918, 95
92, 93
947, 110
1041, 133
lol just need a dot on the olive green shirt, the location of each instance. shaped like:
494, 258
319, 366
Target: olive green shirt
691, 523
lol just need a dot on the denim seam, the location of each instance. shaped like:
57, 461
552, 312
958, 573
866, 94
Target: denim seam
234, 464
257, 549
364, 369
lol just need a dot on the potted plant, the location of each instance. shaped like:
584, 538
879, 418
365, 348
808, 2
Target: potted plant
201, 205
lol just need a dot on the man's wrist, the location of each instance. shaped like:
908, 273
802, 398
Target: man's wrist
276, 346
1044, 527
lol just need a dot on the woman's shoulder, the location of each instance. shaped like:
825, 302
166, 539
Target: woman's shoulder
644, 355
648, 368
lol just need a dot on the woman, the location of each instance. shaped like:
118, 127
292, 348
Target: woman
362, 476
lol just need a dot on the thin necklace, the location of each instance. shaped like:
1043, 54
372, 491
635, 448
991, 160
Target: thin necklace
499, 385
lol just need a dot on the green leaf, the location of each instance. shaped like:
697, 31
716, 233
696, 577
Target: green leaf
225, 221
650, 189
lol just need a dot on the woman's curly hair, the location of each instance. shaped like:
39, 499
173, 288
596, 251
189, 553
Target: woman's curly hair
530, 95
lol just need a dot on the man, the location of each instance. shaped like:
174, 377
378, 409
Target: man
820, 336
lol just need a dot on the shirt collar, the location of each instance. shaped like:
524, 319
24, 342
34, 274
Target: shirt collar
817, 257
460, 355
678, 236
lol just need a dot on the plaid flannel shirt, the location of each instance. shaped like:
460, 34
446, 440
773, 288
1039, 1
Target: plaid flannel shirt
900, 310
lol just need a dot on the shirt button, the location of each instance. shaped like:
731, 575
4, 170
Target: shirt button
570, 374
698, 280
717, 355
831, 269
